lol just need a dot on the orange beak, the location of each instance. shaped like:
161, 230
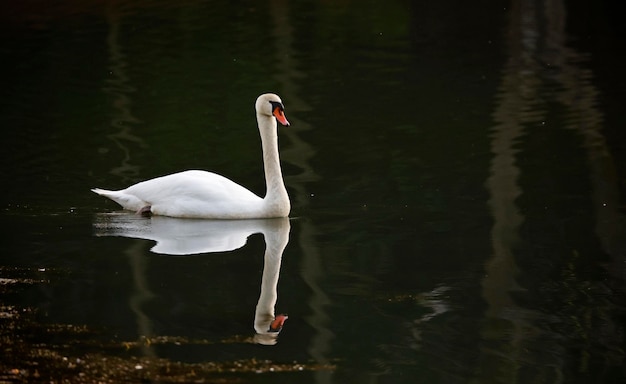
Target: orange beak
280, 116
278, 322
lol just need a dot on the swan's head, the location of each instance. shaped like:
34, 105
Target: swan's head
270, 104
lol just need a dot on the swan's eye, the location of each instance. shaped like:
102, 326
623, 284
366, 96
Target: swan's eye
276, 104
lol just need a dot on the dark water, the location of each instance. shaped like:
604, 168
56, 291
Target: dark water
456, 171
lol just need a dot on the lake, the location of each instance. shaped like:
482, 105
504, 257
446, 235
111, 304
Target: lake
457, 176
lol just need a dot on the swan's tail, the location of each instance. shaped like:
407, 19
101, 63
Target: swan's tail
102, 192
106, 193
124, 199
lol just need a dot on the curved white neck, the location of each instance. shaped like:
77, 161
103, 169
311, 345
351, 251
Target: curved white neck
276, 194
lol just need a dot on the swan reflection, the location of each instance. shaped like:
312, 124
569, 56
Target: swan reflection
191, 237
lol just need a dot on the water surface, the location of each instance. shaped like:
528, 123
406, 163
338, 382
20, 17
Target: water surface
456, 174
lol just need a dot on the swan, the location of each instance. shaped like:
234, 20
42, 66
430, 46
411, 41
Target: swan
207, 195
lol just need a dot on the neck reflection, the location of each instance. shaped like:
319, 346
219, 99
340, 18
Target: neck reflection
193, 237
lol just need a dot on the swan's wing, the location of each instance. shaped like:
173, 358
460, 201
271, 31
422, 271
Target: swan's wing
195, 194
206, 186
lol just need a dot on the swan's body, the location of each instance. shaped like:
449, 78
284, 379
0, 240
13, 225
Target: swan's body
201, 194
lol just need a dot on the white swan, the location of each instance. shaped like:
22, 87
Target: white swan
201, 194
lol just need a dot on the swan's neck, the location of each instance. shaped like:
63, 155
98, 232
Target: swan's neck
276, 196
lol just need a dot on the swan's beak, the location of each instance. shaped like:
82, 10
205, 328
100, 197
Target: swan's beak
277, 324
279, 114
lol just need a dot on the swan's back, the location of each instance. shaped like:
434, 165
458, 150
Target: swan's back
189, 194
